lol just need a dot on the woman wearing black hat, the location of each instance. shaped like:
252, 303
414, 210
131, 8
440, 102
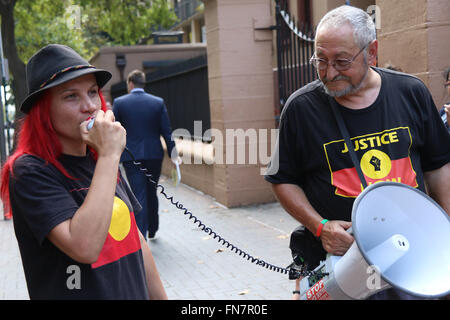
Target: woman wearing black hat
73, 213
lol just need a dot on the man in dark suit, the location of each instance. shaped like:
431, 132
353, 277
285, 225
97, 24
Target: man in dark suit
144, 116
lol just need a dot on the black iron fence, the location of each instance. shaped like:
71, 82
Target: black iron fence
295, 46
7, 115
184, 88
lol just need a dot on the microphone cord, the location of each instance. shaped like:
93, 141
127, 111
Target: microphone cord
209, 231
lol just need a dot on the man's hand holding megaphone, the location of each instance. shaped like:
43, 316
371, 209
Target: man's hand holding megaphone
335, 238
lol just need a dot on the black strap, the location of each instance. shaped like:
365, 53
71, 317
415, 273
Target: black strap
346, 136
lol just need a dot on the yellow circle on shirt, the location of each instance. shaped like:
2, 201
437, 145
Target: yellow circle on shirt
120, 220
376, 164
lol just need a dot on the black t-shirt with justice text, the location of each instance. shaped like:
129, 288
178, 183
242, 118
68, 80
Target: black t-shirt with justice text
397, 138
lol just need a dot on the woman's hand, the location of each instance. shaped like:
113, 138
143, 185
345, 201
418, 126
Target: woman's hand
106, 136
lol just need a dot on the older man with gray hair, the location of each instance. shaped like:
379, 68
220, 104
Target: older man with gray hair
394, 128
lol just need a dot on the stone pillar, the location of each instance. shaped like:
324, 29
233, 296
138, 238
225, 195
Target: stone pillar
241, 92
414, 36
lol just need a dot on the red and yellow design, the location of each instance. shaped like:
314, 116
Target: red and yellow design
384, 156
123, 236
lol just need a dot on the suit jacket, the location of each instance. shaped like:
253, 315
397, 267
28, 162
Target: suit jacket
145, 118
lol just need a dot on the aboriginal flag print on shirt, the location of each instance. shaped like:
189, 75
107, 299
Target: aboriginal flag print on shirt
384, 156
122, 238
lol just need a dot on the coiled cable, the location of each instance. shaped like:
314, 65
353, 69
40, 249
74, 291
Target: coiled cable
209, 231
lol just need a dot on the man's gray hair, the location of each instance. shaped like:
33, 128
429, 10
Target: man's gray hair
364, 30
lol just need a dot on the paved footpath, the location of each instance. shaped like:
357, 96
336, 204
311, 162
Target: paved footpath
193, 265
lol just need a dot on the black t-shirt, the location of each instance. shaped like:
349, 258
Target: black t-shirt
396, 138
41, 198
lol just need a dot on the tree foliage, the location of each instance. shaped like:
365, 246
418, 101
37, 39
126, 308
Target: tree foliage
41, 22
84, 25
87, 25
127, 22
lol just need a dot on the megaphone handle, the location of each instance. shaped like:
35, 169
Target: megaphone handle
350, 230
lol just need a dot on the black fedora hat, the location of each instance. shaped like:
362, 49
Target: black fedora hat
53, 65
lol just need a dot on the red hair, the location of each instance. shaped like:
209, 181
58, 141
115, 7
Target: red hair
36, 137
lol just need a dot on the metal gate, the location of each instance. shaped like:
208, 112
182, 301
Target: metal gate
6, 125
295, 46
6, 104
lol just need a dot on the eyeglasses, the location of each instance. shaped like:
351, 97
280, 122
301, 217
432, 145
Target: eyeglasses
338, 64
447, 84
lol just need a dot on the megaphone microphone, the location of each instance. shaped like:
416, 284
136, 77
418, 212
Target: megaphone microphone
402, 240
90, 123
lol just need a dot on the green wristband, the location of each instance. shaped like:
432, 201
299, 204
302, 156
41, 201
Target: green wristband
319, 230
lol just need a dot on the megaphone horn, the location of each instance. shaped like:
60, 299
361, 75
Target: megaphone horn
402, 238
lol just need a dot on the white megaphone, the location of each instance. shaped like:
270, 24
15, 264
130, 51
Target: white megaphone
402, 240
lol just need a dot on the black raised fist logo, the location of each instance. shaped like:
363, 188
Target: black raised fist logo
376, 163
